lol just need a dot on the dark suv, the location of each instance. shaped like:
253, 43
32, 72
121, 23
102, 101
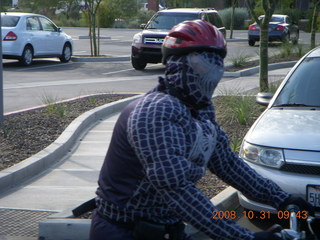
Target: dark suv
146, 45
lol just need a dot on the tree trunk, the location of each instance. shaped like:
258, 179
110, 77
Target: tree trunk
314, 24
263, 78
232, 18
94, 35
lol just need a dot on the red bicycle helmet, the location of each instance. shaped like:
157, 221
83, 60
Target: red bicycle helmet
192, 36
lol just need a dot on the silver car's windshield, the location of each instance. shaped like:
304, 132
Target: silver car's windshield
166, 21
303, 87
9, 21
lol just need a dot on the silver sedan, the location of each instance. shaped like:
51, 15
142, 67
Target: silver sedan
284, 143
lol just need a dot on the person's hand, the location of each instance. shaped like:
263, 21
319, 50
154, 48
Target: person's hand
299, 202
266, 235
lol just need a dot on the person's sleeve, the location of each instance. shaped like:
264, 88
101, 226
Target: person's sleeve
158, 137
235, 172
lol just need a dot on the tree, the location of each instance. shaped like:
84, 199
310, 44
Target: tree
72, 8
233, 5
314, 23
124, 8
268, 8
92, 7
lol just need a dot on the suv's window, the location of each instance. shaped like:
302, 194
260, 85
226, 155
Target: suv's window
9, 21
167, 21
33, 24
47, 25
215, 19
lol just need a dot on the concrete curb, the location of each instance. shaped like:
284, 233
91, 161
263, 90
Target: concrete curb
63, 226
60, 148
254, 70
100, 59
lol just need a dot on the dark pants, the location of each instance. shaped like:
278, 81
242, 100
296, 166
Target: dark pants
101, 229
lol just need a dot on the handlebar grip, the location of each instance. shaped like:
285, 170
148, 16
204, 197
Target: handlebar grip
293, 208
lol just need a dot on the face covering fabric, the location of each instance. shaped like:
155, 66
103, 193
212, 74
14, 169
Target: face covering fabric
194, 77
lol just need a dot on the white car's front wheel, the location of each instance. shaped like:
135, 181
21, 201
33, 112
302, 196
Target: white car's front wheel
27, 56
66, 53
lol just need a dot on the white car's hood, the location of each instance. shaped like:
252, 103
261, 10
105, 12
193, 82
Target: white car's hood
287, 128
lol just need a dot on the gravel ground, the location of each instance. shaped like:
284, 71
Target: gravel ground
27, 133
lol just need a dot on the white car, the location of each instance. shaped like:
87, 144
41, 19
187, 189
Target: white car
26, 36
284, 143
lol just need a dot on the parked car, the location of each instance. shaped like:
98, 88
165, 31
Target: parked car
146, 45
26, 36
281, 28
284, 143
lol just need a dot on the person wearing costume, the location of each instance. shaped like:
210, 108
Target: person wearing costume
164, 142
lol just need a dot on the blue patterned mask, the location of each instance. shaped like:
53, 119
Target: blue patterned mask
193, 78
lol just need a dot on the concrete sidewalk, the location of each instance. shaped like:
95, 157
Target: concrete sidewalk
73, 180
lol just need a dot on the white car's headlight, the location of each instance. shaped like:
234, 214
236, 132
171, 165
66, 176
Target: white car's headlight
271, 157
137, 38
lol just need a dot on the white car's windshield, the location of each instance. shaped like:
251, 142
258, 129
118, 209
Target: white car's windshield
164, 21
9, 21
303, 87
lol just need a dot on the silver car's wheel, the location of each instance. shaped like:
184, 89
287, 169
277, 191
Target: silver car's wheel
66, 53
27, 56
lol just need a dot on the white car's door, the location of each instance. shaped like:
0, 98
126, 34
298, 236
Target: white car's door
53, 39
34, 35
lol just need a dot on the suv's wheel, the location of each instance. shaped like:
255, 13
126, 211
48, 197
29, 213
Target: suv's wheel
251, 42
66, 53
138, 64
27, 56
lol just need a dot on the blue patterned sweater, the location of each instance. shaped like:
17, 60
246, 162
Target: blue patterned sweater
159, 150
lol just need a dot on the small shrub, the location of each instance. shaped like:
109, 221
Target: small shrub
243, 108
240, 15
235, 144
54, 108
286, 50
240, 60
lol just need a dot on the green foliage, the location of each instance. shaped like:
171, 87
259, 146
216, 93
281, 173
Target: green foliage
54, 108
240, 60
235, 144
289, 49
106, 15
63, 20
243, 109
124, 9
294, 13
240, 15
144, 16
141, 18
